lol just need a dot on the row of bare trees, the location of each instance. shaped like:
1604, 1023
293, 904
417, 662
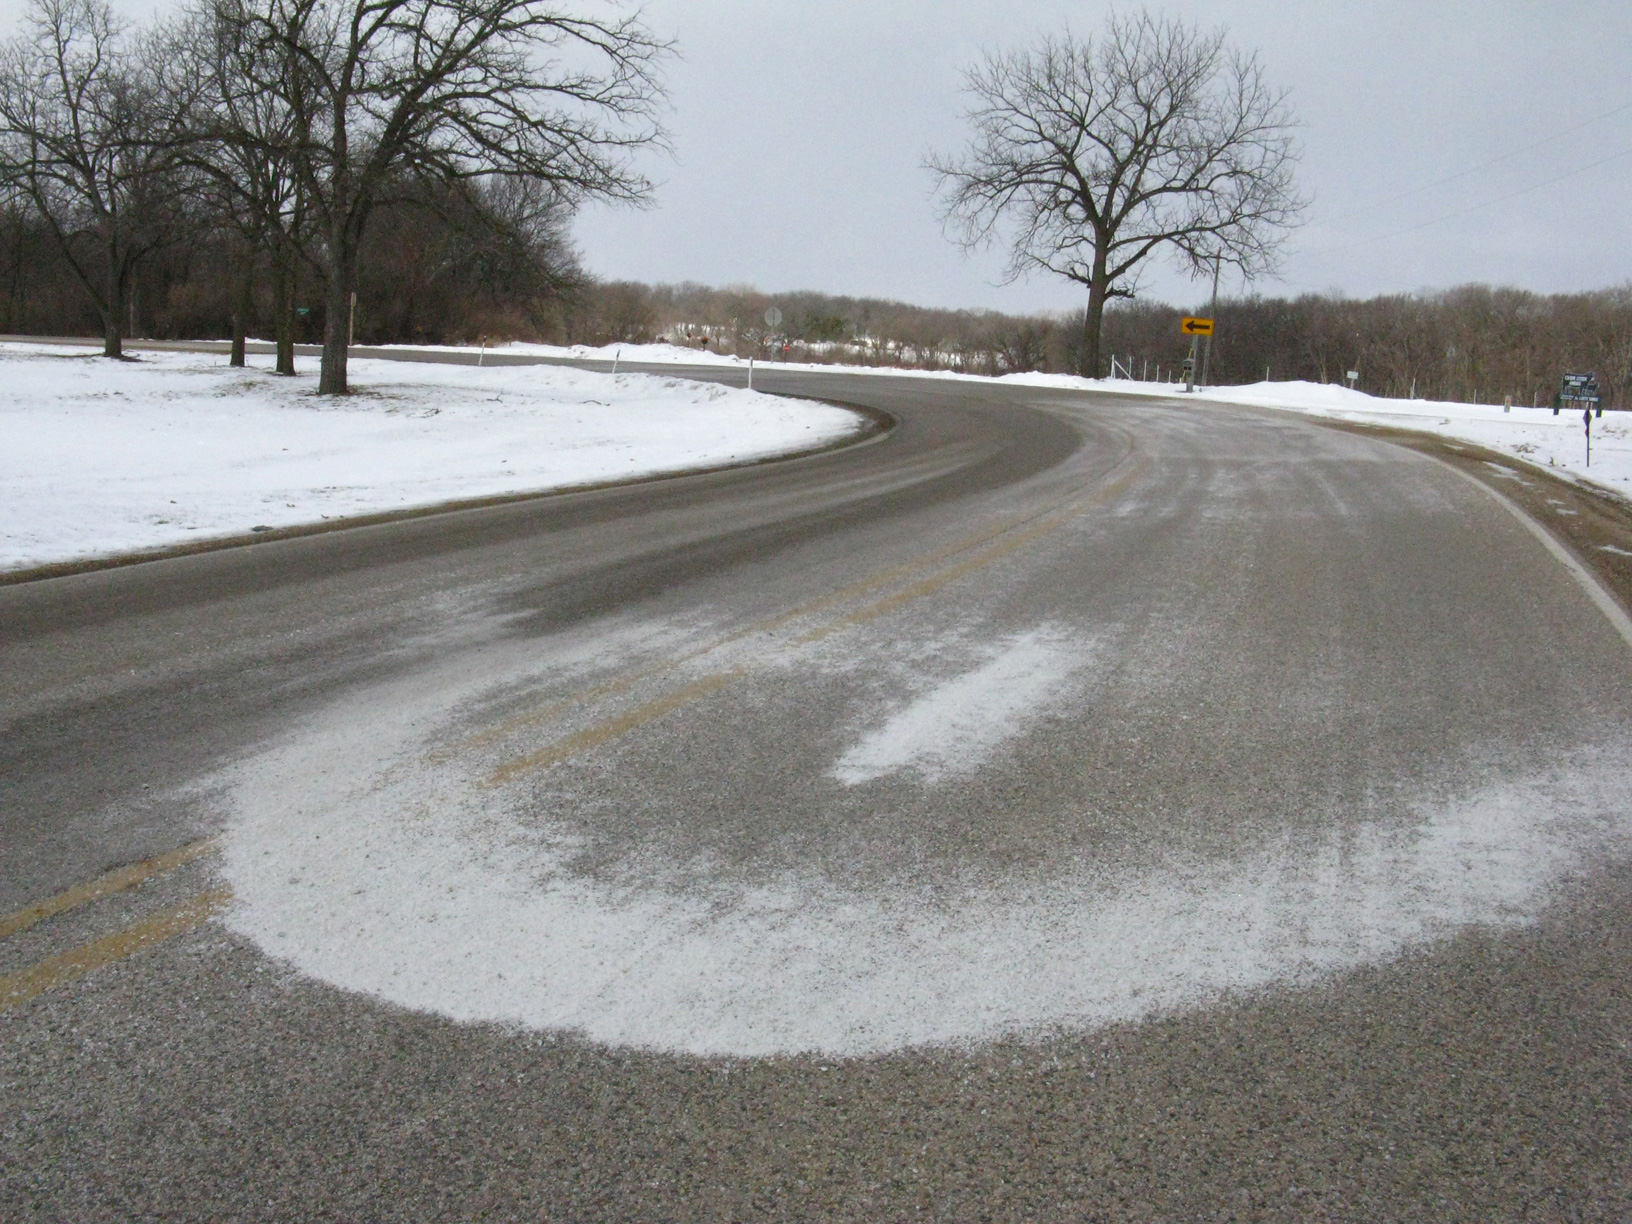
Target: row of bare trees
1472, 342
427, 273
274, 134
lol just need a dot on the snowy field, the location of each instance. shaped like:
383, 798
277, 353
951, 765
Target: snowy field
104, 457
1534, 435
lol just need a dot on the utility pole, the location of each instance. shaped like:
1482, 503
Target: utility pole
1212, 313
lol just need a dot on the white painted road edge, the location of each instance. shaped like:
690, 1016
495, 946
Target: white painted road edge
1607, 603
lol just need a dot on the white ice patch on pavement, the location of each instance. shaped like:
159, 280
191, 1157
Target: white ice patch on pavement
368, 861
954, 727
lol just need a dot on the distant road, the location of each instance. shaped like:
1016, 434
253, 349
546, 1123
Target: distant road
1062, 807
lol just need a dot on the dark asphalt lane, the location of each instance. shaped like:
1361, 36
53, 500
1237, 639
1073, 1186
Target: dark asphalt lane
1064, 807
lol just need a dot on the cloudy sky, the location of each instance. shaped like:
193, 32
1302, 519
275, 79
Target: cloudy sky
1445, 141
799, 129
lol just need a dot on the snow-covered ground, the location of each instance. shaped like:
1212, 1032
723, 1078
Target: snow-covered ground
1534, 435
1531, 434
102, 457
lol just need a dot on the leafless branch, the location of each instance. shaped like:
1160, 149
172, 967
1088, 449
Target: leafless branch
1089, 156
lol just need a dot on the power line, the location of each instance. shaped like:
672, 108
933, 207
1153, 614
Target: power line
1485, 165
1462, 212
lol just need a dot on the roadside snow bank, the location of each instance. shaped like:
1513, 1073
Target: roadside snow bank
105, 457
1531, 434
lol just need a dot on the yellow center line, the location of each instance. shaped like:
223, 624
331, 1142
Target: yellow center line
612, 728
114, 881
25, 984
519, 722
1040, 524
770, 624
936, 581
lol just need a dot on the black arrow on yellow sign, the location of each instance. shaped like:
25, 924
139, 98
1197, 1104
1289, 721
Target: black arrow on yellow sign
1196, 327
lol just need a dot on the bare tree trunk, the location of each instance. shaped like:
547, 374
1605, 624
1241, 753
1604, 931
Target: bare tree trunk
1093, 319
1082, 348
16, 300
1093, 325
283, 307
112, 338
243, 287
331, 379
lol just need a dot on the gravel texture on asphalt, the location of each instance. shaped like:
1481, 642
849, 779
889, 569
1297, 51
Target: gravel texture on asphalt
1246, 643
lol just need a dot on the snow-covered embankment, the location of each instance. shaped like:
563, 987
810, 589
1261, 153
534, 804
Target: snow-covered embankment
104, 457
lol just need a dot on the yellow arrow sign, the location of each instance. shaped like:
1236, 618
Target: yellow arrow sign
1196, 327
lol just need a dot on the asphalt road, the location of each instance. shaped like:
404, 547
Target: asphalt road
1060, 807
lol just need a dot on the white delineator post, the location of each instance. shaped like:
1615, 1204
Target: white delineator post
750, 373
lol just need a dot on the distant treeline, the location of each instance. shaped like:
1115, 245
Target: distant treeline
437, 266
1473, 342
439, 269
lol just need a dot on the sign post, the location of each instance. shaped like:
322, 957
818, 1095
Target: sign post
1195, 329
1581, 389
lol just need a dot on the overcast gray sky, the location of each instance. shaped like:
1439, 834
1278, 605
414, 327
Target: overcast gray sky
799, 129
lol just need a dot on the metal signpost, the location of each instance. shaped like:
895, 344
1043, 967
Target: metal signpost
1195, 329
1581, 389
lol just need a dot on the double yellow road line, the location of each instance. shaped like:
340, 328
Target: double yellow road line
967, 555
25, 984
972, 553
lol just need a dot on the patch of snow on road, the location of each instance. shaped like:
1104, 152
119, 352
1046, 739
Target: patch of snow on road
362, 853
105, 457
953, 728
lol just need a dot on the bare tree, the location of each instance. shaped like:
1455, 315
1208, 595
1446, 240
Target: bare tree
456, 90
461, 260
1090, 156
245, 157
90, 129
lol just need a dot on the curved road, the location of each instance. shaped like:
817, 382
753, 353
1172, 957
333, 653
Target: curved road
1062, 807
